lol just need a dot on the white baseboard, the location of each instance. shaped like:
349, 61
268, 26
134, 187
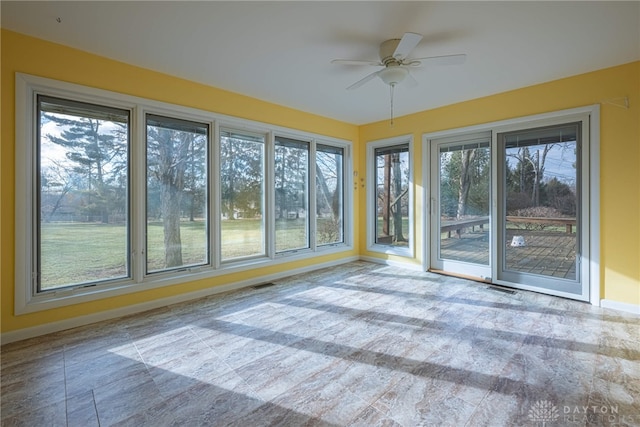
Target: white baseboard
22, 334
406, 265
620, 306
48, 328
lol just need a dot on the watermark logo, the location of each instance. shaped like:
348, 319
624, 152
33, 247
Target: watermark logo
543, 412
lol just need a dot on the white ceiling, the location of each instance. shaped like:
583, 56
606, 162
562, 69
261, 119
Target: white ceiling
281, 51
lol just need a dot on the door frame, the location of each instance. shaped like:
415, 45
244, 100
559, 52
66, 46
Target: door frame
590, 179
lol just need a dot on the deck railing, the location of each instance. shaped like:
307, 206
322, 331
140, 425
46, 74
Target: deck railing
459, 225
567, 222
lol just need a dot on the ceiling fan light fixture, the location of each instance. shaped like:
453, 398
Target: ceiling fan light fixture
393, 75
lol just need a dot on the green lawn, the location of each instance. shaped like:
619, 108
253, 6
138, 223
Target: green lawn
86, 252
405, 230
241, 237
79, 252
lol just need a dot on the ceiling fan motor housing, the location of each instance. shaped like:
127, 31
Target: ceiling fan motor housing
387, 49
393, 73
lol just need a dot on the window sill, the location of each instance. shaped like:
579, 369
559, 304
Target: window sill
70, 296
390, 250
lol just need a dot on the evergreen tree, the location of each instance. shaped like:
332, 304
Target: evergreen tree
97, 151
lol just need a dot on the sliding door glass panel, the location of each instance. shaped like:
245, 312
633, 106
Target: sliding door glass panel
83, 193
242, 188
177, 193
465, 184
541, 216
292, 194
392, 195
329, 194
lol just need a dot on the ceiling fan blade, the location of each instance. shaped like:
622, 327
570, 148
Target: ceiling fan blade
356, 62
408, 42
438, 60
410, 81
365, 79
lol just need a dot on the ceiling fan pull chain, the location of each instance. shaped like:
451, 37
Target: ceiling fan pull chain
391, 87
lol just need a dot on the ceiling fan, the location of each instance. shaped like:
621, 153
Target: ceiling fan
394, 57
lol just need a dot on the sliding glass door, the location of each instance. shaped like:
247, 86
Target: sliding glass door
540, 219
461, 198
510, 204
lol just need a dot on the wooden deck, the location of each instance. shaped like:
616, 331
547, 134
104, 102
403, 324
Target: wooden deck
546, 252
549, 253
472, 246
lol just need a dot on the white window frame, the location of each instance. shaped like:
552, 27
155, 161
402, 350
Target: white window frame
317, 246
216, 212
347, 195
311, 178
139, 199
372, 246
28, 300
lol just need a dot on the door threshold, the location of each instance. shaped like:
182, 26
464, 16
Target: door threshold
461, 276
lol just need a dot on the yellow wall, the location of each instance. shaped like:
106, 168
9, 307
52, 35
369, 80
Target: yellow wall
620, 155
619, 158
37, 57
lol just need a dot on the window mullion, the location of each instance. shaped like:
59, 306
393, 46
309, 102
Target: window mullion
215, 231
269, 189
138, 197
312, 202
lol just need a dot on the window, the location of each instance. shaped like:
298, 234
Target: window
117, 194
177, 193
242, 194
390, 197
329, 194
291, 194
82, 205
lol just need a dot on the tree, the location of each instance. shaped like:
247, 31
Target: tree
291, 169
528, 175
397, 202
241, 175
386, 196
464, 182
561, 197
538, 170
97, 151
329, 181
520, 179
167, 159
229, 175
466, 171
391, 192
56, 182
195, 180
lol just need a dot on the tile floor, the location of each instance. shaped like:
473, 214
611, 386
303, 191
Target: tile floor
356, 345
